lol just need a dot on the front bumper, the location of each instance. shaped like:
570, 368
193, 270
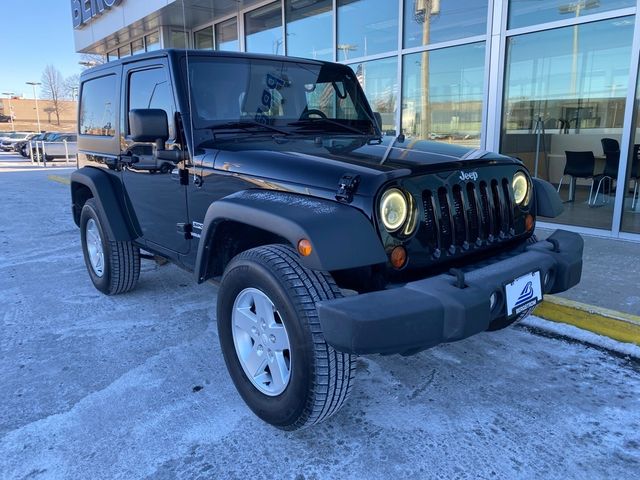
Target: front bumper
435, 310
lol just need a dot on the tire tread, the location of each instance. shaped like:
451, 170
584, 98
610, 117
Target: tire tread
334, 371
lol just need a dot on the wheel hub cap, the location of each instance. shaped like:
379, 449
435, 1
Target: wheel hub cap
94, 247
261, 342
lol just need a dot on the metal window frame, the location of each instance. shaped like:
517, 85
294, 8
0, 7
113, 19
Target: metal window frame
198, 30
568, 22
626, 141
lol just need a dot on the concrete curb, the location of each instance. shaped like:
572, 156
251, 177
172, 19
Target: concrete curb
609, 323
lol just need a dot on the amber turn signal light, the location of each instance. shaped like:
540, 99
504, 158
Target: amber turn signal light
304, 247
528, 222
398, 257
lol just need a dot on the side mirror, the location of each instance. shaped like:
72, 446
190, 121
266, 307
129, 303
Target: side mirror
378, 119
149, 125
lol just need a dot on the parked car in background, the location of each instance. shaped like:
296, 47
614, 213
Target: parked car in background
5, 118
7, 143
5, 135
56, 148
23, 147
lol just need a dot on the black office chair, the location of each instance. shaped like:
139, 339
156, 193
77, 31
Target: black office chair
610, 145
578, 165
610, 172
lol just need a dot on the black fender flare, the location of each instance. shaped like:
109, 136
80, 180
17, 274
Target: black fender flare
109, 200
547, 200
341, 236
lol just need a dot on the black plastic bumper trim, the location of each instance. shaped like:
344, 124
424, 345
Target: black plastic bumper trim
425, 313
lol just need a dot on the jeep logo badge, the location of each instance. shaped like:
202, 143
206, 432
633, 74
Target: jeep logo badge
464, 176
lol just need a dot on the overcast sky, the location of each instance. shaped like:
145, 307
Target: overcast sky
35, 33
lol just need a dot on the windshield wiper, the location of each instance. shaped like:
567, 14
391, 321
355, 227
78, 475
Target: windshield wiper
247, 126
313, 121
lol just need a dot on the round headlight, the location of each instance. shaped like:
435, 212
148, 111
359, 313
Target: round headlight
393, 209
520, 185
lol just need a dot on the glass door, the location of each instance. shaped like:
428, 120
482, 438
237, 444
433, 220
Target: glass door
631, 200
564, 103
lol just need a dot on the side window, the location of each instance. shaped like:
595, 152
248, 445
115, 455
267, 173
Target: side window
150, 89
97, 106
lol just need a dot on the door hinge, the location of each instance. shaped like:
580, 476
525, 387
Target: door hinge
185, 229
347, 186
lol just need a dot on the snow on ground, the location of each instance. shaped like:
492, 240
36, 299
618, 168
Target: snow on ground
103, 387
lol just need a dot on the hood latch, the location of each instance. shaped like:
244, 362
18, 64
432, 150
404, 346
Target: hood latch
347, 186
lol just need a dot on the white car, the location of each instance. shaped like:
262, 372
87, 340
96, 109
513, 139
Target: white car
7, 142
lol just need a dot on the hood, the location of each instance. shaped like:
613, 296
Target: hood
321, 163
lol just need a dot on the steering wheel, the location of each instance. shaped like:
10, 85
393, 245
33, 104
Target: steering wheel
313, 111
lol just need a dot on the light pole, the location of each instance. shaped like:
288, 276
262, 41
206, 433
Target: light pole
33, 84
10, 94
576, 7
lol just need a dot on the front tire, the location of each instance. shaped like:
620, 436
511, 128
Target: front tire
114, 266
272, 341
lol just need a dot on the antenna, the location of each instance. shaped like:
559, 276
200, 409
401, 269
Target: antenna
186, 52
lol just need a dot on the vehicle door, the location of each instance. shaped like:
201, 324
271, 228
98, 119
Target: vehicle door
56, 147
156, 199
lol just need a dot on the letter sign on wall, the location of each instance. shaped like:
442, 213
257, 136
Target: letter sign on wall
83, 11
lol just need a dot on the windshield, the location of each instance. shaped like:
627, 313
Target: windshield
300, 96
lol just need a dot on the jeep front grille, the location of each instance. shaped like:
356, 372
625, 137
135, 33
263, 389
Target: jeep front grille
467, 216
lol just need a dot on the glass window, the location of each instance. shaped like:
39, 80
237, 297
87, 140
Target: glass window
150, 89
263, 28
98, 106
137, 46
527, 12
227, 36
366, 27
112, 56
178, 39
442, 94
429, 21
279, 93
564, 92
124, 52
631, 205
204, 39
304, 17
152, 41
379, 80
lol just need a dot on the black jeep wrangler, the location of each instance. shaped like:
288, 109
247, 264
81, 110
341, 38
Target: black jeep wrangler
270, 175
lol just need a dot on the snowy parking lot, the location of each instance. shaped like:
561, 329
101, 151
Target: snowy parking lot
135, 386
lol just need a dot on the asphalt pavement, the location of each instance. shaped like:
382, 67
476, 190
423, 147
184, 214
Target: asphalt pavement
135, 386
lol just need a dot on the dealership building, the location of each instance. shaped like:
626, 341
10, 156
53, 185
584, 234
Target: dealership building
553, 82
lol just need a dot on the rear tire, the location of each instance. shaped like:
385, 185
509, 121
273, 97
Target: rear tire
114, 266
318, 379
